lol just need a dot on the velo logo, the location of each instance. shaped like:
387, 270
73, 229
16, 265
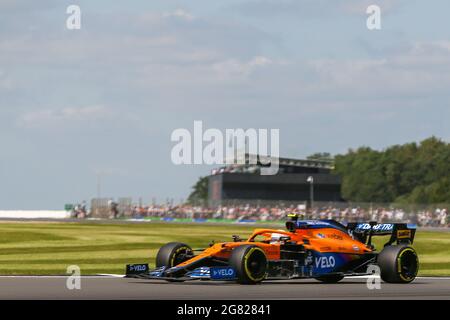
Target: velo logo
325, 262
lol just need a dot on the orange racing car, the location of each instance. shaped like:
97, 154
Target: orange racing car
322, 249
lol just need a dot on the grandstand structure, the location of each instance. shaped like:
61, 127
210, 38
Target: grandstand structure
297, 181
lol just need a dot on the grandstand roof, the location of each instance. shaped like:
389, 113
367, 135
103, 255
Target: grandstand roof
290, 161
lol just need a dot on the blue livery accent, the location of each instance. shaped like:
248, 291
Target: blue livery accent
313, 224
320, 235
202, 272
158, 272
324, 263
319, 224
222, 273
381, 227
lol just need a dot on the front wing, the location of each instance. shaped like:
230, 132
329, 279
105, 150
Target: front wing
201, 273
313, 266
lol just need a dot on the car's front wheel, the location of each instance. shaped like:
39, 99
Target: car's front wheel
172, 254
250, 263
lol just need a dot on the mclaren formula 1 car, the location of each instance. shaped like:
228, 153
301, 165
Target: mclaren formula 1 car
322, 249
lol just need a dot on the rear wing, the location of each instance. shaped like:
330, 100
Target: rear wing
401, 233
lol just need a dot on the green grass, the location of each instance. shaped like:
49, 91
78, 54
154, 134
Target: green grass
39, 248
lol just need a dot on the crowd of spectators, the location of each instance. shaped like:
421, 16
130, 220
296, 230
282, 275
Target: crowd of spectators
424, 217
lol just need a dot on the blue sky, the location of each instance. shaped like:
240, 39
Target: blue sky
105, 99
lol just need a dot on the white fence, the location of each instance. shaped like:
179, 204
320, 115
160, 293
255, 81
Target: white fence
34, 214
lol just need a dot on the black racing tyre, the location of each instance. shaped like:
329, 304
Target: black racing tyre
250, 263
398, 264
172, 254
330, 278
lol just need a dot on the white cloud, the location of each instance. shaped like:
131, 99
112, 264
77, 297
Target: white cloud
431, 52
5, 81
359, 6
60, 117
307, 9
180, 14
423, 69
233, 67
24, 5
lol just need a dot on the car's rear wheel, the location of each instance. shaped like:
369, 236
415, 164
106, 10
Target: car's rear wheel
172, 254
330, 278
250, 263
398, 264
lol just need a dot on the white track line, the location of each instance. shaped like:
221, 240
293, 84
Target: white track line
98, 276
107, 275
377, 276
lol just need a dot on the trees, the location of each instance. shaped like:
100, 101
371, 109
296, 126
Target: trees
199, 194
323, 156
412, 173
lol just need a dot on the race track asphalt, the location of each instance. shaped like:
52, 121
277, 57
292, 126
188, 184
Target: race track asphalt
113, 287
